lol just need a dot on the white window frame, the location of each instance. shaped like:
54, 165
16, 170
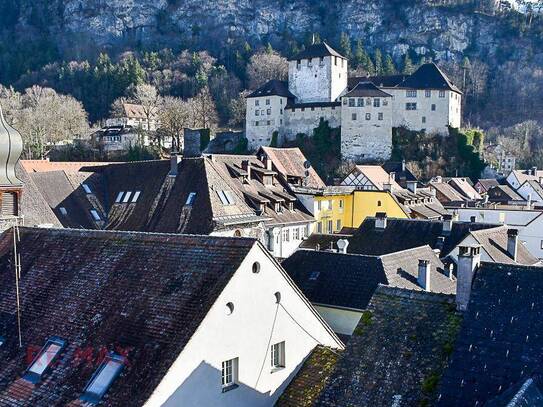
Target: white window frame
277, 353
127, 196
119, 197
95, 215
86, 188
190, 199
229, 374
136, 196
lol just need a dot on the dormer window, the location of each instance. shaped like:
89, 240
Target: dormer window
45, 359
86, 188
291, 206
95, 215
190, 199
103, 378
277, 207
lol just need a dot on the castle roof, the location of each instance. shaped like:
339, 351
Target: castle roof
383, 81
429, 76
272, 88
366, 89
317, 51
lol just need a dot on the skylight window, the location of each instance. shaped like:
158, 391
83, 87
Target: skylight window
119, 197
136, 196
226, 197
314, 275
63, 210
191, 198
103, 378
95, 215
127, 196
2, 340
45, 359
86, 188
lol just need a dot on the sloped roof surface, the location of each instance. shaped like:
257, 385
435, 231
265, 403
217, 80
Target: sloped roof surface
537, 187
446, 193
401, 344
317, 50
366, 89
488, 183
526, 175
500, 342
273, 88
387, 81
143, 293
503, 193
429, 76
377, 175
401, 172
464, 187
323, 240
136, 111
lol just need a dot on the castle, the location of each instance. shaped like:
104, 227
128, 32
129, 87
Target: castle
366, 108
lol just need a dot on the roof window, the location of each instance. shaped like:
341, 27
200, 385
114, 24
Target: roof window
119, 197
226, 197
102, 379
86, 188
127, 196
63, 210
45, 359
191, 198
136, 196
95, 215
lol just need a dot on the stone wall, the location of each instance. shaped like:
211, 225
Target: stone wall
259, 128
304, 120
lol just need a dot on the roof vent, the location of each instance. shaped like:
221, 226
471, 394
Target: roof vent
342, 245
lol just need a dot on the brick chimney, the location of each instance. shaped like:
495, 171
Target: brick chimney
342, 245
191, 143
412, 186
380, 221
469, 258
447, 223
512, 243
424, 274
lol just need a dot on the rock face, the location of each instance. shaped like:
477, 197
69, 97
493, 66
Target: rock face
427, 27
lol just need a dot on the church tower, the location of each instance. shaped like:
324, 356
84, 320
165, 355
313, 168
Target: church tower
317, 74
11, 147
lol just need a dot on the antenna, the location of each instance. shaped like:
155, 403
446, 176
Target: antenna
17, 258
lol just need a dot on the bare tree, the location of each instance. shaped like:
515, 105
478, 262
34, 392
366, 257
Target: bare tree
117, 107
146, 96
175, 114
238, 107
204, 110
266, 66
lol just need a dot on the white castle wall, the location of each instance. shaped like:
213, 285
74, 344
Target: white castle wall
259, 127
304, 120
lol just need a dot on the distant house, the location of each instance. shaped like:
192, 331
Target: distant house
483, 185
504, 194
136, 116
465, 187
445, 193
402, 175
531, 190
340, 285
117, 140
123, 318
371, 178
518, 177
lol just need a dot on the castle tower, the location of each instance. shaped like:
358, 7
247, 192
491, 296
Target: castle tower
11, 147
317, 74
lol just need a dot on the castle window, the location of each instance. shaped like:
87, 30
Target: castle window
268, 122
321, 60
410, 106
380, 116
441, 93
368, 116
353, 117
298, 64
262, 112
433, 108
335, 61
303, 109
280, 111
280, 121
360, 102
257, 102
309, 63
256, 123
428, 93
333, 108
330, 226
344, 101
280, 101
376, 102
257, 112
351, 102
385, 102
411, 93
268, 112
424, 119
267, 101
368, 101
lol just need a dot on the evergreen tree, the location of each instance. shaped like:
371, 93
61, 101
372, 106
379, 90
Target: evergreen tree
378, 58
362, 59
389, 68
408, 67
269, 49
345, 46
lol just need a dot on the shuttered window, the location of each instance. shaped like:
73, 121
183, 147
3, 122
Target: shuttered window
9, 204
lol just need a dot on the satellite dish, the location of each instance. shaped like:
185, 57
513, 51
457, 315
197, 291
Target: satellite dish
307, 164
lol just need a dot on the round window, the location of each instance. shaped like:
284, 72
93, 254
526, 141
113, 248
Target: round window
229, 308
256, 267
277, 297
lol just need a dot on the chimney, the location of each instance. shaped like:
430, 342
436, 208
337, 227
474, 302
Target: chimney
529, 201
439, 244
541, 180
174, 161
380, 221
412, 186
268, 163
342, 245
447, 223
424, 274
191, 143
512, 243
387, 187
392, 177
534, 171
246, 166
469, 258
403, 165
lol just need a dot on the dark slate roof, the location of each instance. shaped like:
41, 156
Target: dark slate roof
503, 193
494, 242
488, 183
309, 105
429, 76
323, 241
398, 351
349, 281
446, 193
272, 88
144, 294
402, 234
526, 393
401, 172
316, 51
388, 81
500, 342
366, 89
34, 207
309, 382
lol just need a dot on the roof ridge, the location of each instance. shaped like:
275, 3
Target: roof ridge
414, 294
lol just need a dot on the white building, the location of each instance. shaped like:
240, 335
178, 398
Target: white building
318, 88
518, 177
136, 116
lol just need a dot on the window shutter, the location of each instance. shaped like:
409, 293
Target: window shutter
9, 204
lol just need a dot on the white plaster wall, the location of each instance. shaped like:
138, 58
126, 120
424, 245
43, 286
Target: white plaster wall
338, 78
261, 135
510, 217
532, 235
256, 323
448, 110
469, 240
526, 190
311, 80
366, 139
283, 249
304, 121
342, 321
513, 181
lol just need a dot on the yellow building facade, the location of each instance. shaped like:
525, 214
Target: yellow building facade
333, 211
